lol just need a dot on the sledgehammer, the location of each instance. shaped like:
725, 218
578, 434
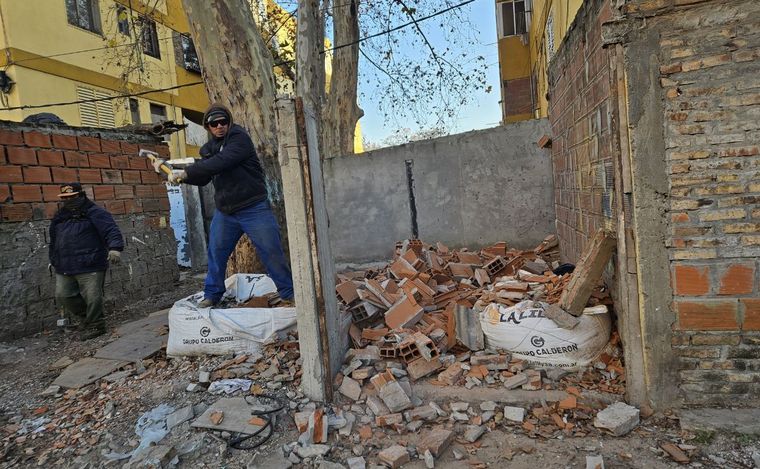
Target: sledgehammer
158, 163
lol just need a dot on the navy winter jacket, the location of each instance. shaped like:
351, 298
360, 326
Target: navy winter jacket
80, 239
231, 163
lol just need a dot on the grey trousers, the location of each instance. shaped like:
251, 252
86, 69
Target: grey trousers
81, 295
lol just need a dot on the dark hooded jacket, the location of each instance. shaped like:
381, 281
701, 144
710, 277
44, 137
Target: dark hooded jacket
81, 238
231, 163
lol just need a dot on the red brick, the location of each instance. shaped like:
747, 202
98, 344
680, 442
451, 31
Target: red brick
11, 174
74, 158
129, 148
110, 146
50, 158
64, 175
111, 176
123, 192
737, 279
691, 280
103, 192
3, 159
89, 143
116, 207
21, 155
150, 205
89, 175
44, 211
159, 191
50, 193
150, 177
16, 212
131, 177
751, 314
9, 137
65, 142
707, 315
37, 174
99, 160
144, 192
5, 193
163, 204
33, 138
132, 206
120, 162
163, 150
138, 162
27, 193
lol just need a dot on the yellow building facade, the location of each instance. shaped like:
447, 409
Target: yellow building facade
86, 51
529, 33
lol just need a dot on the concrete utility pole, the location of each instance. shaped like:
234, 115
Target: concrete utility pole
323, 339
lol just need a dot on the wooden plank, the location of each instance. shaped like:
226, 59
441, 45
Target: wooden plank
587, 273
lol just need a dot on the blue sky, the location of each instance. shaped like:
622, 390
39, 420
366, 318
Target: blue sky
483, 110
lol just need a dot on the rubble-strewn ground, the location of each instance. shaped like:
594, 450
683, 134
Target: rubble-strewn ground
92, 426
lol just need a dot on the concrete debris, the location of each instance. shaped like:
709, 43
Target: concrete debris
619, 418
473, 432
429, 459
179, 416
460, 406
394, 397
312, 451
394, 456
514, 414
356, 463
436, 441
516, 381
488, 406
594, 462
350, 388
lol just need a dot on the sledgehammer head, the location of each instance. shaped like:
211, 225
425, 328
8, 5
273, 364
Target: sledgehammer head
158, 163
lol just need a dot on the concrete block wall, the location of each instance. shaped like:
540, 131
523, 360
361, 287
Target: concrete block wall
709, 63
34, 161
584, 142
471, 189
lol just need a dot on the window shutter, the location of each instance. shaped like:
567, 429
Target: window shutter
98, 113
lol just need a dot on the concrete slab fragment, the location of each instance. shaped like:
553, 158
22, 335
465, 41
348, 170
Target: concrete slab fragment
237, 413
86, 371
133, 347
151, 323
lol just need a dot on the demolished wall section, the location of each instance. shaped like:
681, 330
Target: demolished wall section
34, 161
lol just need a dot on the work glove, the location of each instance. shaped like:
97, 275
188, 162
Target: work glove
157, 162
177, 177
114, 257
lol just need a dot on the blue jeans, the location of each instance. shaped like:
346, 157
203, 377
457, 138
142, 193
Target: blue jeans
259, 223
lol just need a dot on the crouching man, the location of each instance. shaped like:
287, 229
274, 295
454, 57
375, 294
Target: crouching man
84, 238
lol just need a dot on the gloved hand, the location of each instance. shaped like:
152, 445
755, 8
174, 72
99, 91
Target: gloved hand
157, 162
177, 177
114, 257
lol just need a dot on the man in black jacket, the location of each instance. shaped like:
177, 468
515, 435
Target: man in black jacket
229, 161
84, 238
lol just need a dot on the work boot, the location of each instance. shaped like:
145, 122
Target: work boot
207, 303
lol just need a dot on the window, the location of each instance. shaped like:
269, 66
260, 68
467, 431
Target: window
150, 38
122, 20
95, 113
134, 110
157, 113
84, 14
189, 56
513, 17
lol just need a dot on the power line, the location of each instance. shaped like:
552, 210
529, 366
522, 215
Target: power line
129, 95
388, 31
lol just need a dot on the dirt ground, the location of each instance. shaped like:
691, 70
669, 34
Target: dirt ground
24, 375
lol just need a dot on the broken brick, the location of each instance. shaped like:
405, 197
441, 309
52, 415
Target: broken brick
436, 441
403, 314
452, 374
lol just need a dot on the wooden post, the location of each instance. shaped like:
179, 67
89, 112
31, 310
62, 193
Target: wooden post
587, 273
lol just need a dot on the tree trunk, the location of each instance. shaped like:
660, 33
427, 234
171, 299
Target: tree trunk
342, 112
238, 71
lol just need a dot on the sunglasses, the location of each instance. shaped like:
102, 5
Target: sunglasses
221, 122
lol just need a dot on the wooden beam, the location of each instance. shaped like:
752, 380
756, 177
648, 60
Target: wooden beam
588, 272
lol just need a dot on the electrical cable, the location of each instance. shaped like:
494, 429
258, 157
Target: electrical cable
129, 95
237, 440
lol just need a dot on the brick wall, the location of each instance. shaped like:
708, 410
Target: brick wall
711, 95
580, 110
34, 161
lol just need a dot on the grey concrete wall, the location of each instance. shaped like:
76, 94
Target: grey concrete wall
471, 189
